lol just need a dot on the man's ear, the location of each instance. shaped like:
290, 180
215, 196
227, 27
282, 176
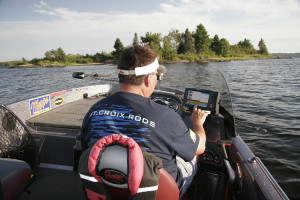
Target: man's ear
147, 81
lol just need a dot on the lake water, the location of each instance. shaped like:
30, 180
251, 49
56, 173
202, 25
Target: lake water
265, 95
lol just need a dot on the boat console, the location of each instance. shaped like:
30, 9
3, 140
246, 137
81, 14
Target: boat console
214, 168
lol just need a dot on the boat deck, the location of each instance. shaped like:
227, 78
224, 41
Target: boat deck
54, 184
68, 116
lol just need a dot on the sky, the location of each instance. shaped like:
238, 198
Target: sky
29, 28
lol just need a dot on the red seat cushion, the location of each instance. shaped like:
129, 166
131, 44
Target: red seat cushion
16, 179
167, 188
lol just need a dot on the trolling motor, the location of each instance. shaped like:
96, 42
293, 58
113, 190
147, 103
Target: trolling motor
79, 75
82, 75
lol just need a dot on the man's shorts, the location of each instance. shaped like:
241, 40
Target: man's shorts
188, 171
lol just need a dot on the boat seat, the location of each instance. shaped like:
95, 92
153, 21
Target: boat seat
124, 172
14, 177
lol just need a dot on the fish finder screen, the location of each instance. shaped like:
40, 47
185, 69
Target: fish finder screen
197, 98
204, 99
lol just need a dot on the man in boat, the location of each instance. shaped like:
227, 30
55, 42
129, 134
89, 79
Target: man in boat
156, 128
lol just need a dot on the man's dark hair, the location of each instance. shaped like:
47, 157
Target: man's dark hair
132, 57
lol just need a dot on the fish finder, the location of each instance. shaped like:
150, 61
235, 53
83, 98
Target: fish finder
205, 99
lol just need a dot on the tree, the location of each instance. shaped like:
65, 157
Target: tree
262, 47
56, 55
102, 57
153, 40
181, 48
174, 38
224, 47
118, 49
168, 53
60, 55
215, 46
246, 44
24, 61
246, 47
47, 55
202, 41
188, 42
135, 41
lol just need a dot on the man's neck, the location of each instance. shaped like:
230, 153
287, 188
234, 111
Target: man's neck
135, 89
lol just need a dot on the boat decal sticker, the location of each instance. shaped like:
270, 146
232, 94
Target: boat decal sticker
58, 93
114, 176
58, 101
39, 105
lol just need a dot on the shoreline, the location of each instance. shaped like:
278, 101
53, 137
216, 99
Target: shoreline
206, 60
54, 65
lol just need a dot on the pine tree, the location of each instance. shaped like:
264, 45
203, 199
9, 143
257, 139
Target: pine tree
119, 49
202, 41
215, 45
262, 47
189, 42
135, 40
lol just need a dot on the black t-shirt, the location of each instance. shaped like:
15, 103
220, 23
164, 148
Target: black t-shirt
156, 128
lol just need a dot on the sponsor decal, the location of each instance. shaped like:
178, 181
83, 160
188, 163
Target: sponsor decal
58, 101
193, 135
39, 105
113, 176
58, 93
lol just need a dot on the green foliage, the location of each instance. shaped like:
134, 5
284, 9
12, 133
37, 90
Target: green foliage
55, 55
262, 47
224, 47
168, 53
189, 42
174, 38
246, 47
181, 48
202, 41
103, 57
246, 44
11, 63
189, 56
60, 55
153, 40
215, 46
136, 40
118, 49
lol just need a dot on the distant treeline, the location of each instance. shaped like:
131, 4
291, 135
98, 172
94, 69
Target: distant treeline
192, 46
286, 55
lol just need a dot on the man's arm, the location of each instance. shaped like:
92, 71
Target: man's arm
198, 118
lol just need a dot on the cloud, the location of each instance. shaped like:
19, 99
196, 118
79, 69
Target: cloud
40, 5
276, 21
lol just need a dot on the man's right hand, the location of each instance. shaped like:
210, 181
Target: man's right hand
198, 118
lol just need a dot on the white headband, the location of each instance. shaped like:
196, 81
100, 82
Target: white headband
142, 70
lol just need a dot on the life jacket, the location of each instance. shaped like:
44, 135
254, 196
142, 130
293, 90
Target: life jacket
116, 167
